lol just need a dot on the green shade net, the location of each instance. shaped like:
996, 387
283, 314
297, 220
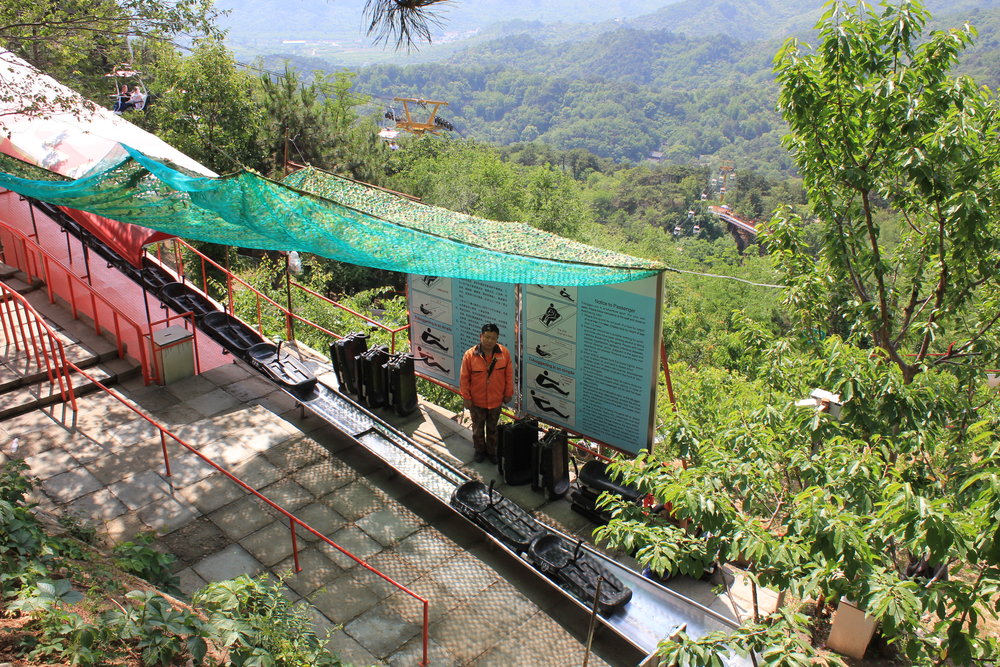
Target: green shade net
316, 212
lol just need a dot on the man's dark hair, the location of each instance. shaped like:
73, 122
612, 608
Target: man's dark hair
491, 327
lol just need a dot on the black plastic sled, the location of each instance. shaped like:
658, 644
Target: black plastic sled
591, 482
182, 298
154, 276
402, 384
281, 367
516, 443
343, 353
230, 332
498, 516
576, 571
550, 465
371, 377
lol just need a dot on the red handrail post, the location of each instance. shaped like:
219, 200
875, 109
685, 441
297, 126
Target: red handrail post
427, 622
295, 546
163, 445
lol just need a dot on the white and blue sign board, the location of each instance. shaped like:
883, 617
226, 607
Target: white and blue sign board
585, 357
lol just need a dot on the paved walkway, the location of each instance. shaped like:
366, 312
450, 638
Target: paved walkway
105, 465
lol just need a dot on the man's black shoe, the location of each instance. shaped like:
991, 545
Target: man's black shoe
479, 457
493, 459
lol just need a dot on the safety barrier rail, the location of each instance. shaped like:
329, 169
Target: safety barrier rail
27, 332
18, 250
293, 521
262, 300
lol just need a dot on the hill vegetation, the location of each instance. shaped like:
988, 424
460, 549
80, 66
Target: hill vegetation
876, 278
692, 82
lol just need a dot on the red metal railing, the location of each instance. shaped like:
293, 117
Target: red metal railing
25, 254
26, 331
29, 328
293, 521
262, 300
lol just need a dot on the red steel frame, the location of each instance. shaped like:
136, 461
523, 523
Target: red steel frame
25, 329
60, 281
48, 351
289, 315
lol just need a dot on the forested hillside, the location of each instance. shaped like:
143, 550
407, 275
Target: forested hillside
655, 84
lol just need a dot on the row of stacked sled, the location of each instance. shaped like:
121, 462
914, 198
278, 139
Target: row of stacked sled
378, 379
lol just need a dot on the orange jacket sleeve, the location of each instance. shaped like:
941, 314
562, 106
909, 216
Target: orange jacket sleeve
465, 376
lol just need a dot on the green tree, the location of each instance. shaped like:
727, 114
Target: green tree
79, 41
877, 123
827, 508
205, 106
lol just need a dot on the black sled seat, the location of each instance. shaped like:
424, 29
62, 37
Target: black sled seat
577, 572
401, 384
284, 369
591, 481
230, 333
497, 515
181, 298
154, 276
516, 443
343, 353
594, 476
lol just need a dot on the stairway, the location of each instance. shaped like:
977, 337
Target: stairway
23, 387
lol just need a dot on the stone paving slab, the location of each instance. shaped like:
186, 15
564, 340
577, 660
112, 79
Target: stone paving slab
381, 630
413, 652
466, 634
389, 525
258, 472
195, 540
140, 489
354, 540
70, 485
212, 493
464, 576
98, 507
356, 500
324, 476
321, 518
271, 544
214, 402
287, 494
318, 571
117, 465
295, 454
242, 517
229, 563
167, 514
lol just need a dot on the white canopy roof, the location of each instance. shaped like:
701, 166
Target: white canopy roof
47, 124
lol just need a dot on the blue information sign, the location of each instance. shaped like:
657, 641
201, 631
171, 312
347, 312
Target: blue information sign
446, 317
586, 357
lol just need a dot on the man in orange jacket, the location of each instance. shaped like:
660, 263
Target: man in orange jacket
487, 382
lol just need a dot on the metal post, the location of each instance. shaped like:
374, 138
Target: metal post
86, 263
289, 320
593, 620
31, 210
295, 546
666, 374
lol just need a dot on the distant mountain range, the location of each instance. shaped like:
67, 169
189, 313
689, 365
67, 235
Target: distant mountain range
691, 80
335, 29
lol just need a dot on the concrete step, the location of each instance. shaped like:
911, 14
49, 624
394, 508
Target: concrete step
27, 397
18, 280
